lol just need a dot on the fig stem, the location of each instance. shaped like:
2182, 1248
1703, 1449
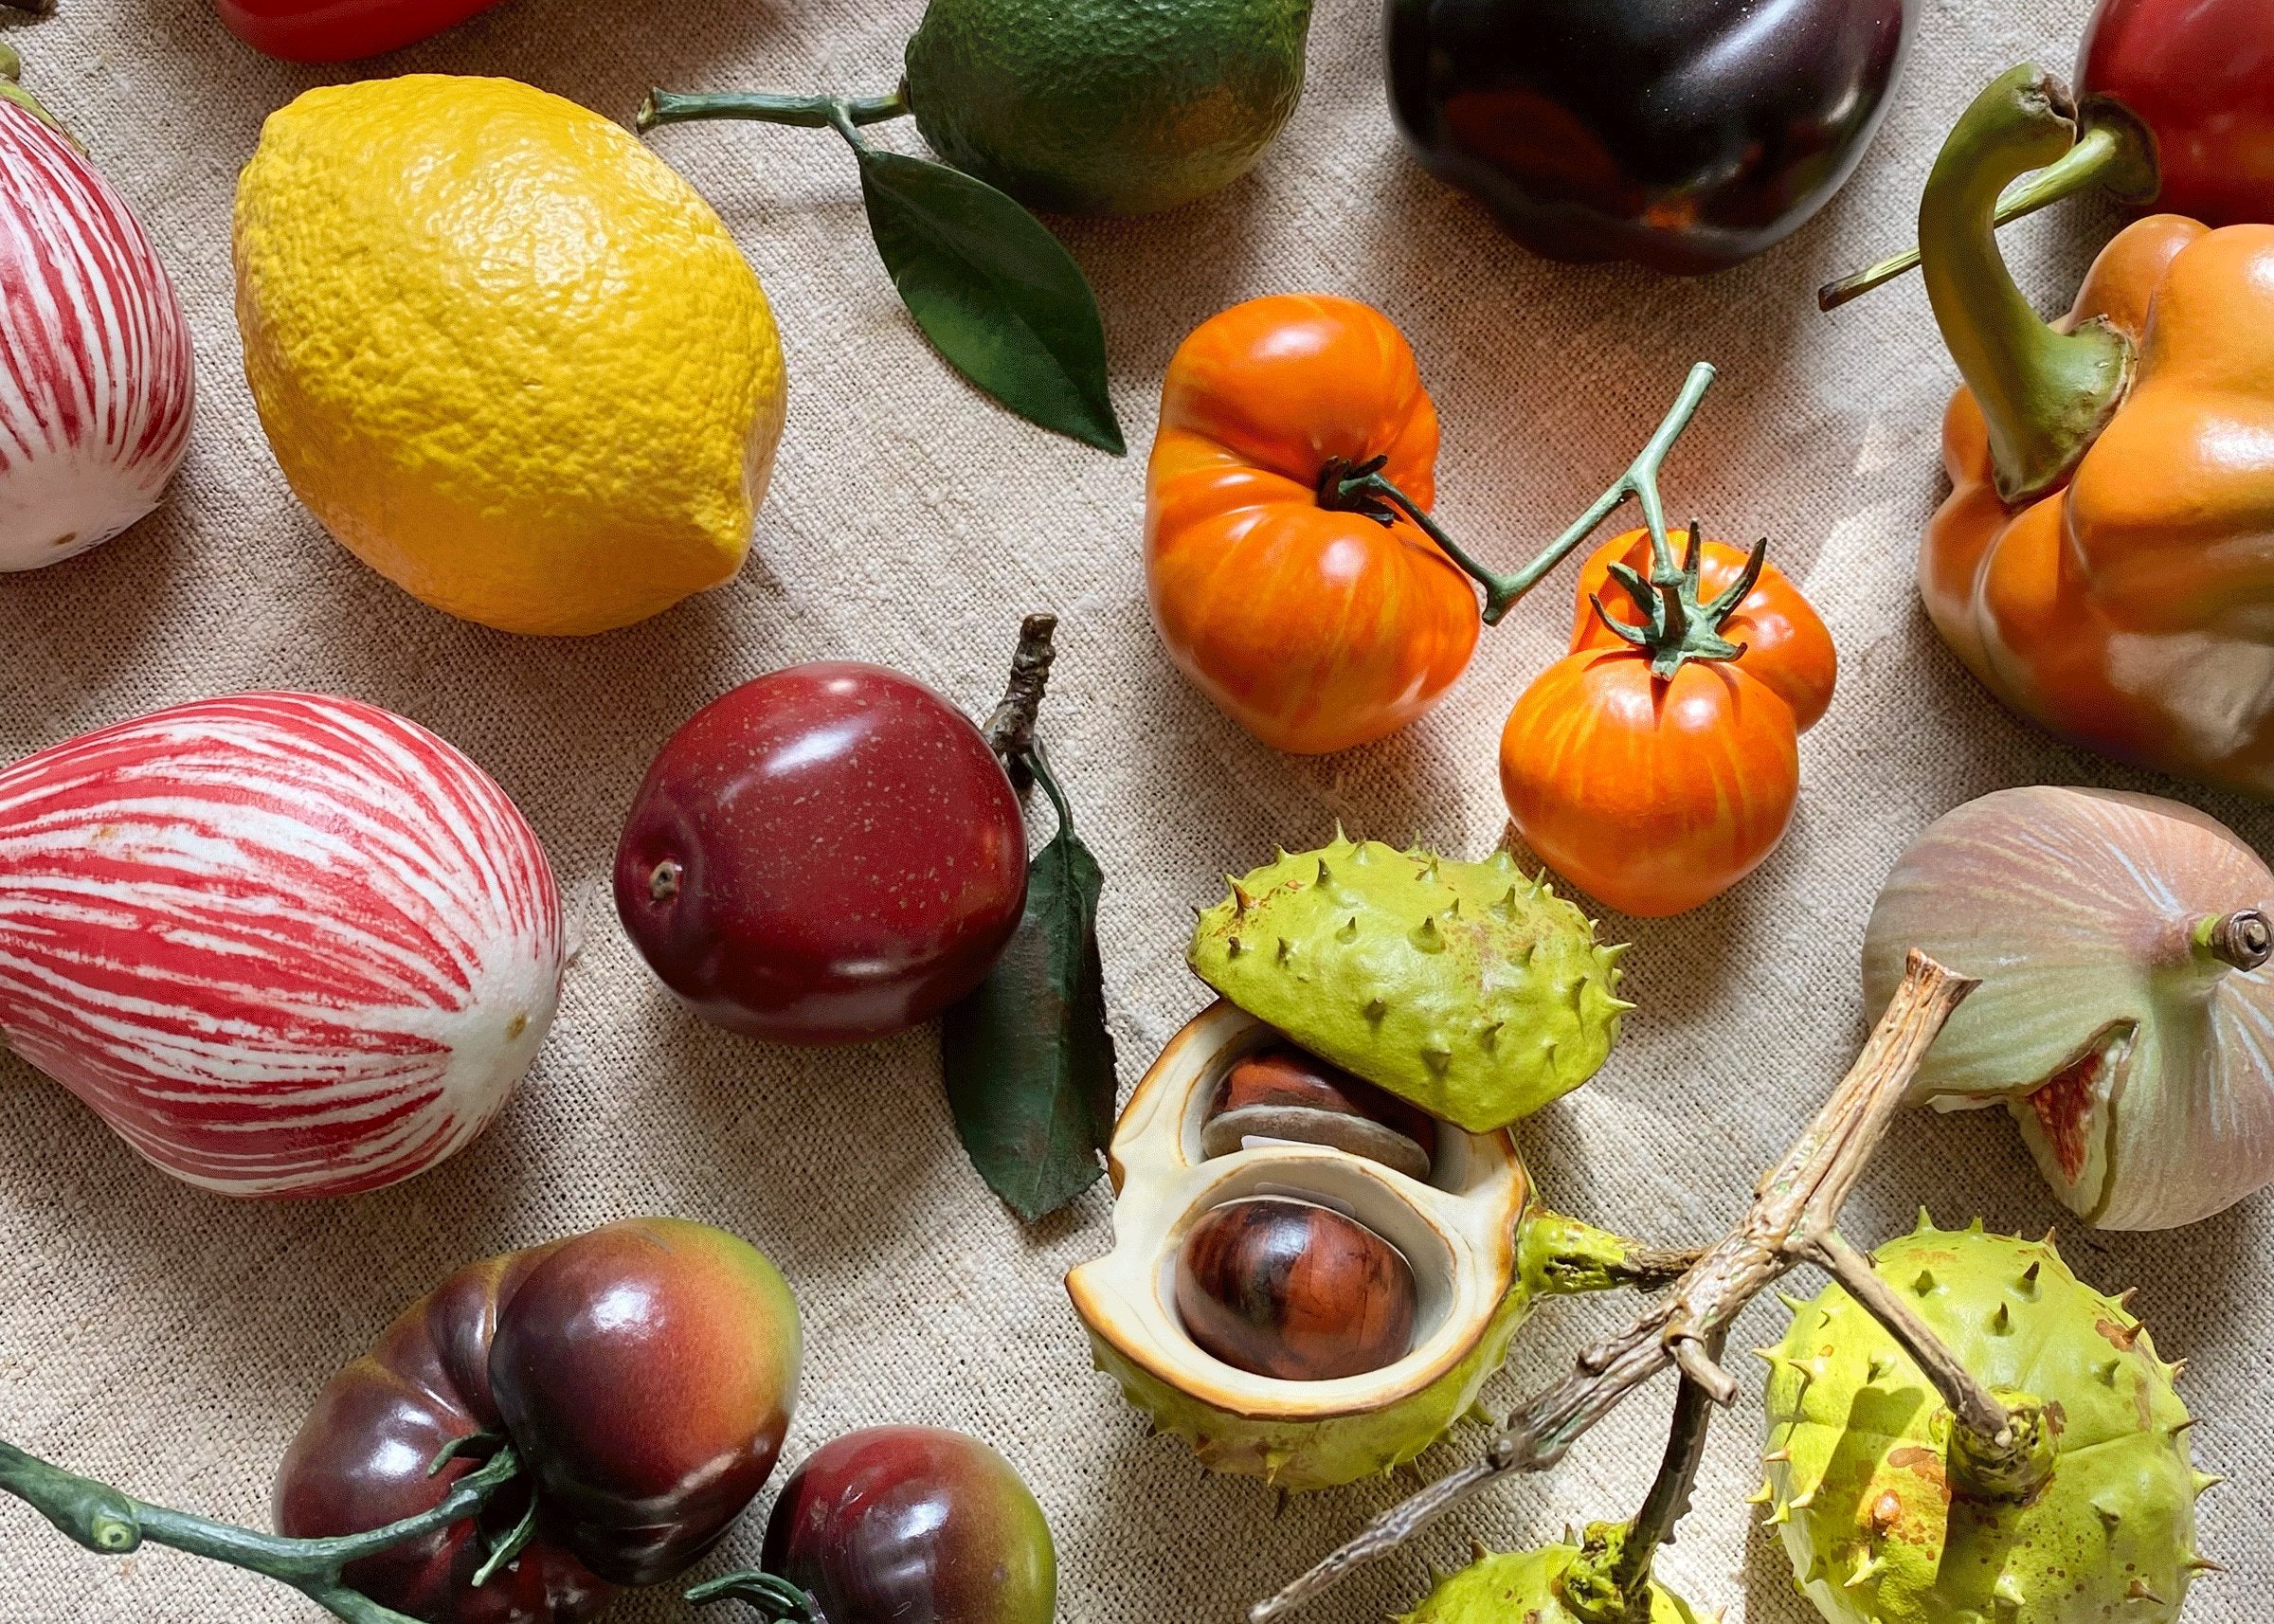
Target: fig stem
1797, 1201
2243, 939
1010, 731
776, 1598
111, 1524
1362, 488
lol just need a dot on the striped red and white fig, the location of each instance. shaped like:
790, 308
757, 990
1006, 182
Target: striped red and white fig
286, 945
95, 382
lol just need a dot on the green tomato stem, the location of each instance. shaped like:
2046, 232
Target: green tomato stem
109, 1523
2045, 395
1365, 488
806, 112
776, 1599
2114, 152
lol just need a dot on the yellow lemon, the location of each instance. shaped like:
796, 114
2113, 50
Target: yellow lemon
506, 355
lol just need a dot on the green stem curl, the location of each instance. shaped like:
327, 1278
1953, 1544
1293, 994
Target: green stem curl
2114, 151
111, 1522
777, 1601
2045, 395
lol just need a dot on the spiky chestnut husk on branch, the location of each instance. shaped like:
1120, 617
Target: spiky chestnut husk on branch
1873, 1501
1470, 989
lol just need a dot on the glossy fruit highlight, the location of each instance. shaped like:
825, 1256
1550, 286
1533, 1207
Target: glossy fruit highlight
1293, 1290
828, 853
913, 1525
283, 944
643, 1372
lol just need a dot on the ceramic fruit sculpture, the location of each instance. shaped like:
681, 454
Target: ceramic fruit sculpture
96, 401
541, 1429
1323, 1238
2126, 1012
504, 354
1658, 762
2111, 473
828, 853
1890, 1516
897, 1523
283, 944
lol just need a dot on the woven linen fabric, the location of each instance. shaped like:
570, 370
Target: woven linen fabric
168, 1341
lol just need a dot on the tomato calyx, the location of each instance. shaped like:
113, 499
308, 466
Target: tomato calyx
1676, 627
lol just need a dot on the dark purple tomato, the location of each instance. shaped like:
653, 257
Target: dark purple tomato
828, 853
913, 1525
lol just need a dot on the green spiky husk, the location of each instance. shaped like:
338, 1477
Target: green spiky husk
1300, 1455
1538, 1587
1859, 1446
1470, 990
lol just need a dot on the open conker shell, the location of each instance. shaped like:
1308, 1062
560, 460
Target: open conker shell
1291, 1290
1285, 1093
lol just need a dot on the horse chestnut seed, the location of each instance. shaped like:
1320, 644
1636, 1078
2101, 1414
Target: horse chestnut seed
1292, 1289
1284, 1093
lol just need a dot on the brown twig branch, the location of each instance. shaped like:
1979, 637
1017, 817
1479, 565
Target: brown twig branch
1667, 1501
1794, 1206
1010, 731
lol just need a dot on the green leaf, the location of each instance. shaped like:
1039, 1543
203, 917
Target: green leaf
1028, 1060
994, 290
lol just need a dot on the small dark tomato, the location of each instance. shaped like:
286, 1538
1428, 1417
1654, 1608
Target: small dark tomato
913, 1525
1292, 1289
643, 1372
1684, 135
1286, 1092
828, 853
648, 1371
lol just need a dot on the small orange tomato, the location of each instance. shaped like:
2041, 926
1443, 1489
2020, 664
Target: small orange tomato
1654, 794
1316, 626
1786, 645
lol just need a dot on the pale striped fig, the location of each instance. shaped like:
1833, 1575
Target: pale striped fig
96, 384
284, 945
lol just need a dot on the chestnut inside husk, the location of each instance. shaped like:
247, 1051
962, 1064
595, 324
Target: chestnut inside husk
1285, 1093
1292, 1289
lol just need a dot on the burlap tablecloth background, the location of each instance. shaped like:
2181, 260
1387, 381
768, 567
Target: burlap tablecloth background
168, 1340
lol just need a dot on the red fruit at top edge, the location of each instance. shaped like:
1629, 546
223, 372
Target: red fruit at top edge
340, 31
828, 853
2200, 74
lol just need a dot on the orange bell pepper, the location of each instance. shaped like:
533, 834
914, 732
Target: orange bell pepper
2105, 562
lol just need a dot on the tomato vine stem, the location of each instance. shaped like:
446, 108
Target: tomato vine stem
112, 1524
1365, 488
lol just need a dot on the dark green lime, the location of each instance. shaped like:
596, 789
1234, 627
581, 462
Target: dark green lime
1106, 106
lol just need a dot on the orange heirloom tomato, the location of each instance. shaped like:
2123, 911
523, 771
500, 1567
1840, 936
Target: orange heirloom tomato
1316, 626
1654, 794
2102, 562
1786, 645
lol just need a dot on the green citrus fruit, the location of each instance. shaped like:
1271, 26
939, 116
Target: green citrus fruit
1106, 106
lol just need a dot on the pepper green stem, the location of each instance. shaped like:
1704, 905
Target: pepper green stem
1363, 487
776, 1599
2114, 151
109, 1523
2045, 395
806, 112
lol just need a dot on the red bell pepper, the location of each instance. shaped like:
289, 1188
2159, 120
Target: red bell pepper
2174, 114
340, 30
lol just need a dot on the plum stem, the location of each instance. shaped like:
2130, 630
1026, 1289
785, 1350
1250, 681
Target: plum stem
1010, 731
110, 1524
